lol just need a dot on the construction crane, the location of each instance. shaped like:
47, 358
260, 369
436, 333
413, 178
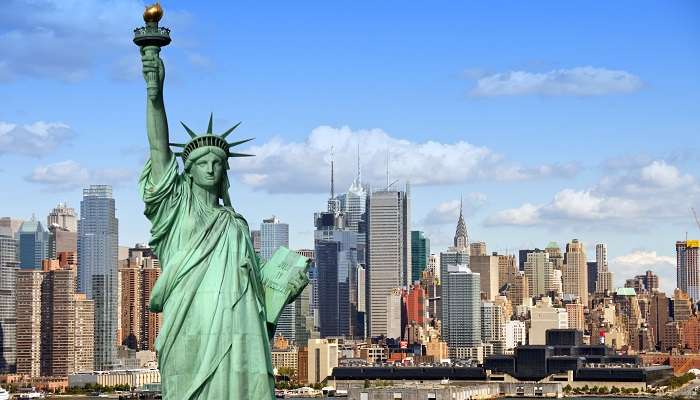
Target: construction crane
697, 220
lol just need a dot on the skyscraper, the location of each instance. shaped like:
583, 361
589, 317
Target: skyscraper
575, 271
420, 250
477, 248
98, 232
487, 268
463, 314
538, 270
336, 263
64, 217
389, 252
506, 269
29, 281
273, 234
604, 281
688, 267
138, 275
33, 244
9, 264
458, 254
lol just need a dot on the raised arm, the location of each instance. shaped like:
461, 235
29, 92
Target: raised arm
156, 120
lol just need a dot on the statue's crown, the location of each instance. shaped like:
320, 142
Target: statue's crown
209, 139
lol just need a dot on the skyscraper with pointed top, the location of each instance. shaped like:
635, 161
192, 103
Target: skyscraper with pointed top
453, 256
461, 239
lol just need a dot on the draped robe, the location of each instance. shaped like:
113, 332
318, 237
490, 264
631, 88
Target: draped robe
213, 342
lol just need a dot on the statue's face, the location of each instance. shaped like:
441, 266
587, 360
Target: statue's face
207, 170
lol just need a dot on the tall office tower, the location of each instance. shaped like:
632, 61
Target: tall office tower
9, 264
431, 282
416, 304
477, 249
458, 254
354, 202
545, 316
557, 284
575, 313
63, 216
592, 268
10, 227
487, 267
651, 281
63, 230
688, 267
361, 325
604, 277
522, 257
33, 244
396, 314
273, 234
682, 306
98, 232
464, 312
575, 271
138, 275
516, 334
539, 272
29, 282
493, 326
420, 250
658, 316
336, 263
255, 238
388, 252
519, 292
507, 269
555, 255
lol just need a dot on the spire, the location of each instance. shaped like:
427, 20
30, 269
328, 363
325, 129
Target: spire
461, 239
332, 172
359, 168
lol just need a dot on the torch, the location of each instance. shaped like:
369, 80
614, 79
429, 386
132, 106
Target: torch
150, 39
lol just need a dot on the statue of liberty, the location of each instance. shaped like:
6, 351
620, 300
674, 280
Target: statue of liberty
219, 302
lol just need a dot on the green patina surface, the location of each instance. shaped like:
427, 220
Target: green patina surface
219, 301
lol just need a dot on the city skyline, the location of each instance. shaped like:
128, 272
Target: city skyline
507, 148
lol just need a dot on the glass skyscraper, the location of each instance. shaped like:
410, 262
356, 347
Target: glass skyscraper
8, 292
98, 231
420, 250
33, 244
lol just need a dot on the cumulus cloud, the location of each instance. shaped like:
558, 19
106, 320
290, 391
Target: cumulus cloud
36, 139
69, 174
579, 81
281, 166
640, 261
448, 211
655, 191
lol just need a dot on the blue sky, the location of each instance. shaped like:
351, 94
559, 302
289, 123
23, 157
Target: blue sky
554, 120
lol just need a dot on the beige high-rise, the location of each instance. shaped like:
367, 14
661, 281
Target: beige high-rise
507, 269
29, 283
575, 271
539, 272
487, 266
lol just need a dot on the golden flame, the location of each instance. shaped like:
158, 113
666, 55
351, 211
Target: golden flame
153, 13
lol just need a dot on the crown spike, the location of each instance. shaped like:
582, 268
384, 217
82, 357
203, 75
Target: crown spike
178, 154
240, 155
189, 131
234, 144
178, 144
223, 135
210, 128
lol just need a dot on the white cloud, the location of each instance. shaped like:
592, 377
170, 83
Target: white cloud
69, 174
579, 81
634, 198
280, 166
36, 139
640, 261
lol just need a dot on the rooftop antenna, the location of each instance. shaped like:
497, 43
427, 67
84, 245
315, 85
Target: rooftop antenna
359, 168
332, 180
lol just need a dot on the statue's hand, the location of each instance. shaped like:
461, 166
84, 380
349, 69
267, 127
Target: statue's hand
153, 70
